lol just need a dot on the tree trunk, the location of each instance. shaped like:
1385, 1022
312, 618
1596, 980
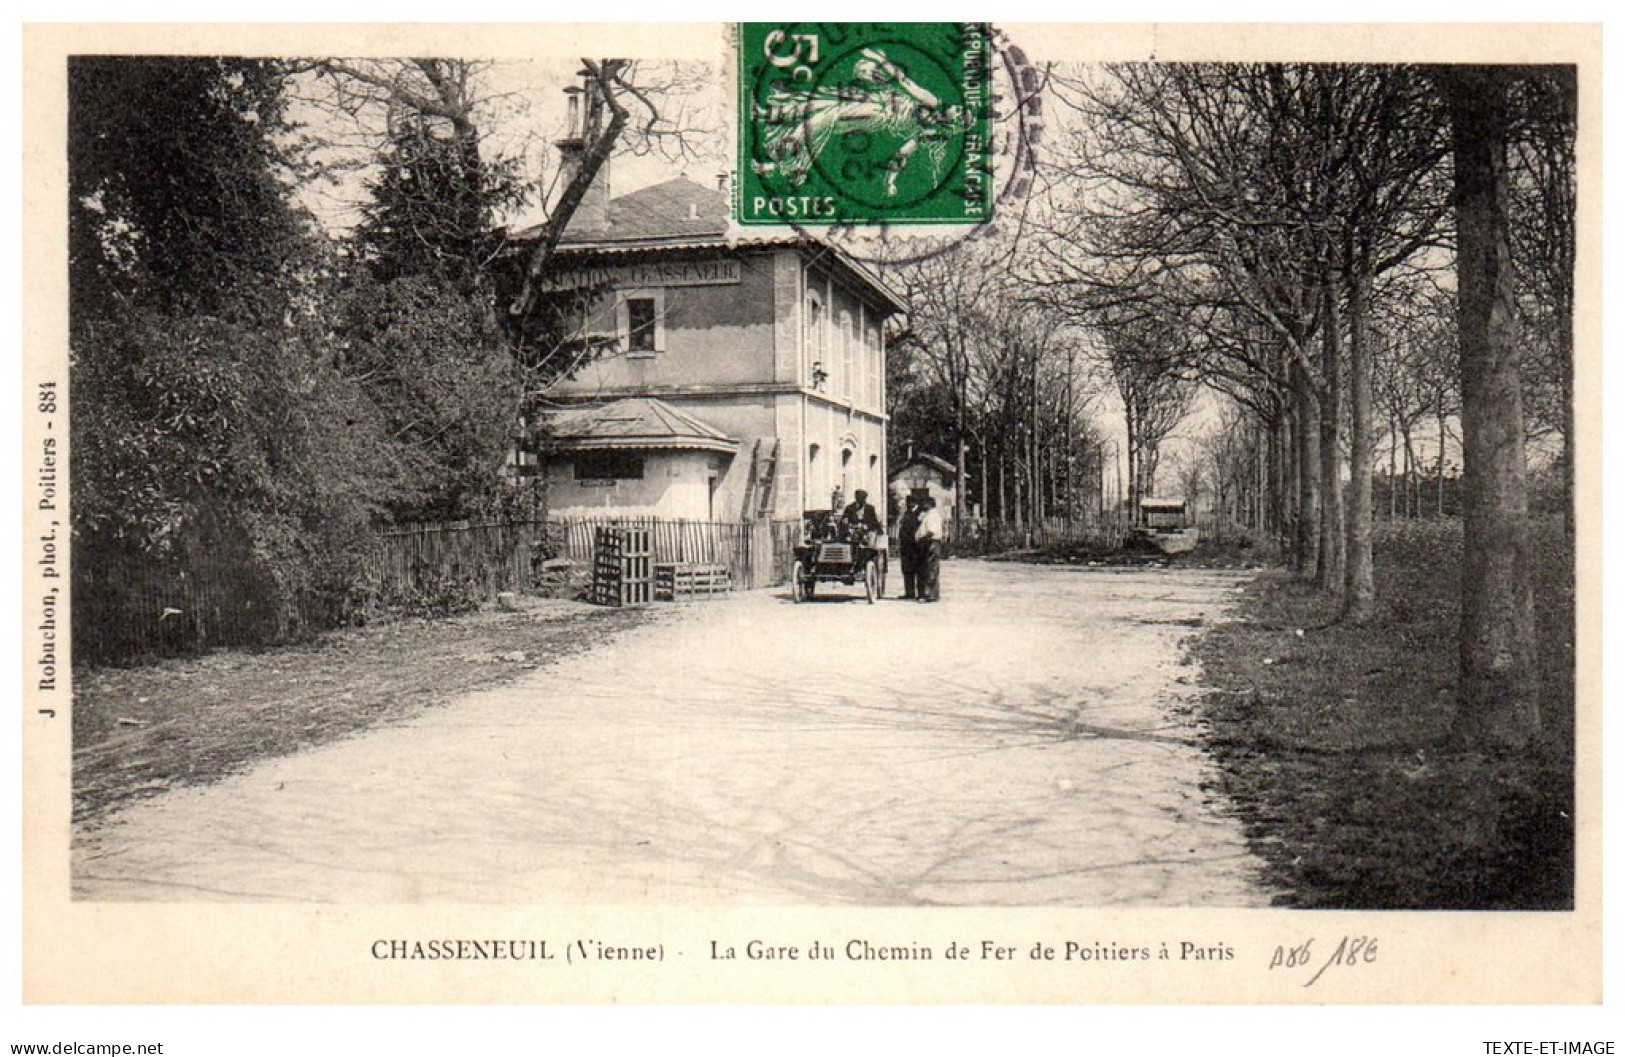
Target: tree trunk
1329, 569
1291, 487
959, 433
1438, 486
1566, 350
1360, 590
984, 473
1565, 347
1131, 451
1499, 700
1034, 452
1411, 509
1004, 489
593, 157
1393, 467
1272, 511
1307, 554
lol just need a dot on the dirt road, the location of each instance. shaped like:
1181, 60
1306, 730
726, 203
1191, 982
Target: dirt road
1023, 742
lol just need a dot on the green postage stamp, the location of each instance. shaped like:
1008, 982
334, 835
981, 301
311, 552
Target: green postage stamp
864, 123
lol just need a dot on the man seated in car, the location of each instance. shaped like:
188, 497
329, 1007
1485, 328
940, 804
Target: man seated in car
859, 521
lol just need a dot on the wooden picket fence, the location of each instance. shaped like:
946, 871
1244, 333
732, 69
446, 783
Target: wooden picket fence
131, 612
481, 558
128, 613
756, 553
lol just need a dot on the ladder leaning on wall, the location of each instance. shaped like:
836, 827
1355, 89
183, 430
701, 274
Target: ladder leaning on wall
759, 485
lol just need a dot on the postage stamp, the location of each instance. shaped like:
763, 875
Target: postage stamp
865, 122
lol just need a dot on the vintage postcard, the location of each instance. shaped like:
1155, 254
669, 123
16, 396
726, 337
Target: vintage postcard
911, 513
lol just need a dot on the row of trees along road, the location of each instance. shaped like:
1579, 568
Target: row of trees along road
257, 389
1338, 250
1001, 381
249, 388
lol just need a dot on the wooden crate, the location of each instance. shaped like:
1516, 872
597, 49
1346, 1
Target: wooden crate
621, 568
679, 580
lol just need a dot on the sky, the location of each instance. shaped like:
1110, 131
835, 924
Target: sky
523, 116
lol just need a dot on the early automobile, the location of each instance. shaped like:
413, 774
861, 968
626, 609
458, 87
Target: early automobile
836, 551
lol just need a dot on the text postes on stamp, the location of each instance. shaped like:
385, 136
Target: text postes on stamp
864, 122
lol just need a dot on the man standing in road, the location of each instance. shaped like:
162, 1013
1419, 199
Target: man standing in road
928, 541
908, 550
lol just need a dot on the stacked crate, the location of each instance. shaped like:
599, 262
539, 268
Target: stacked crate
679, 580
622, 558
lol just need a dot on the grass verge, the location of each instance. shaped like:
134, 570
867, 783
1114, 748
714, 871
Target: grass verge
1331, 739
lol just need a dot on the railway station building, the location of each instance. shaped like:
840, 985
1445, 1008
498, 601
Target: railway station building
733, 375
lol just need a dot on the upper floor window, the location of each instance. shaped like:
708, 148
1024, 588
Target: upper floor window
815, 332
844, 383
877, 366
641, 322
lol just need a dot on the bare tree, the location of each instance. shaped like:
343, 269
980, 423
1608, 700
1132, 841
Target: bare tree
1414, 376
951, 298
619, 110
1198, 201
1145, 360
1499, 701
1542, 217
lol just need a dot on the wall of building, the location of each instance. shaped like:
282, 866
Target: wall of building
843, 432
850, 454
767, 330
925, 477
711, 335
745, 418
843, 336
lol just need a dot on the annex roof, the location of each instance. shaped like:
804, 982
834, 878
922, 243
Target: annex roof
942, 466
639, 422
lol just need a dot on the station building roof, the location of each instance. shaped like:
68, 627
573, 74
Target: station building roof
682, 214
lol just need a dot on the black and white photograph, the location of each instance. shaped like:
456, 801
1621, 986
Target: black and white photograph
464, 561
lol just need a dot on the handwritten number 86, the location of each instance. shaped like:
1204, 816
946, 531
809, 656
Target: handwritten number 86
1292, 957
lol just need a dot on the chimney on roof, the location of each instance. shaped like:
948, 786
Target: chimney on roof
586, 123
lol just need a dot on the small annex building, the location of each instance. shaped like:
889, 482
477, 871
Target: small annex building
637, 456
733, 375
925, 475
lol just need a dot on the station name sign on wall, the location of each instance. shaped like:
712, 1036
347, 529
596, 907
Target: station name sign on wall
718, 272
